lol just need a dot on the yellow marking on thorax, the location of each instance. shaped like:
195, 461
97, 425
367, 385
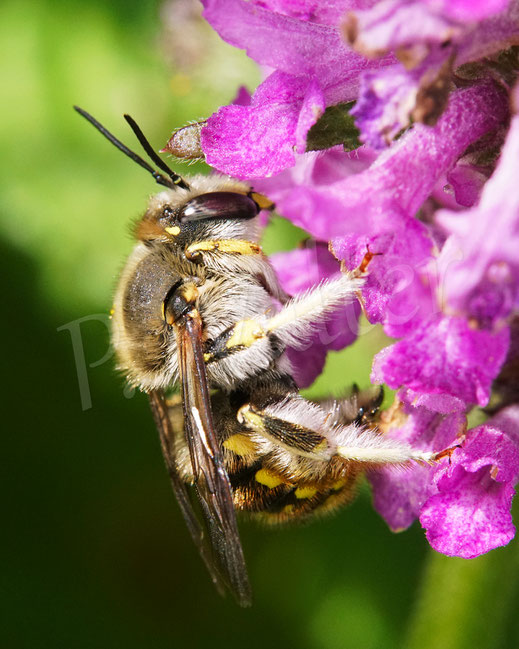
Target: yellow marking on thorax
270, 480
245, 334
230, 246
305, 492
240, 444
173, 230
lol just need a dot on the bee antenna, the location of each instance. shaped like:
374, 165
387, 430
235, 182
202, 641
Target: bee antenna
176, 179
159, 178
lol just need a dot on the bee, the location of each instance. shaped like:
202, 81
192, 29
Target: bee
199, 305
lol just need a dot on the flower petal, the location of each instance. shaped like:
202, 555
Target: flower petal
394, 293
301, 269
470, 514
327, 12
415, 29
292, 45
386, 99
471, 10
481, 262
394, 24
398, 495
393, 96
444, 356
259, 139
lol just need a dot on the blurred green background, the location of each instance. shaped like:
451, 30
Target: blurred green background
94, 552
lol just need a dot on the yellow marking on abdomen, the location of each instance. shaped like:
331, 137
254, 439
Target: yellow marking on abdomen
240, 444
229, 246
270, 480
305, 492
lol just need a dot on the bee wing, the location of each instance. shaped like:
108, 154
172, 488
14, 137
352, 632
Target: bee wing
211, 481
166, 435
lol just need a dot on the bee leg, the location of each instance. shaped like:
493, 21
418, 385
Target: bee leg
359, 407
293, 436
304, 428
293, 325
297, 321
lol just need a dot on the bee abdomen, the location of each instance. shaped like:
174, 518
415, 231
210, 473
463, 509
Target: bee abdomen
268, 495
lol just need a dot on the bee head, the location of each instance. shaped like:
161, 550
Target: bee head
214, 207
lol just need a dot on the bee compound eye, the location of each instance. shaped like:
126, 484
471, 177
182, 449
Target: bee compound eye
219, 205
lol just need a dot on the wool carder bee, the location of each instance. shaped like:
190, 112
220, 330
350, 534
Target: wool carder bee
199, 305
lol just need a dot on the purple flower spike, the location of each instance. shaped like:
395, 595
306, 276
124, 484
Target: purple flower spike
470, 514
429, 198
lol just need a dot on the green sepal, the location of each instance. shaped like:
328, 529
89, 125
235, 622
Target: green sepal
335, 126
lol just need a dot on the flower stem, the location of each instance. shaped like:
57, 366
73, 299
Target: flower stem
466, 603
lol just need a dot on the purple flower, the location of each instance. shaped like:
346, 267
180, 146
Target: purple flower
360, 199
432, 39
392, 189
417, 26
399, 495
470, 514
464, 502
443, 362
280, 114
480, 263
313, 69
